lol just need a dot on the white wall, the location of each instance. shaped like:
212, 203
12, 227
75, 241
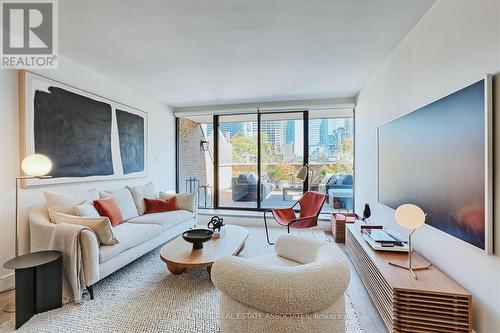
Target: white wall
161, 148
453, 45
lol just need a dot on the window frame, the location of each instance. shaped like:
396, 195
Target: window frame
305, 161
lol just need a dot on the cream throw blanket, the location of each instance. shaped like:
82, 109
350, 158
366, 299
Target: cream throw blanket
66, 239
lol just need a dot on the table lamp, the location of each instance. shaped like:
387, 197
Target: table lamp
411, 217
35, 166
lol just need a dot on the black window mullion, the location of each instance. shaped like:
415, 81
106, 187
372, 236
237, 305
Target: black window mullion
216, 160
177, 124
306, 148
259, 181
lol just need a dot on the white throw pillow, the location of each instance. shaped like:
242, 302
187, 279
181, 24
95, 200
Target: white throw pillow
140, 192
87, 209
184, 201
100, 225
65, 202
123, 200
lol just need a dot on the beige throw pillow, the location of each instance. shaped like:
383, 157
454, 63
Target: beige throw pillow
87, 209
140, 192
184, 201
100, 225
123, 200
65, 202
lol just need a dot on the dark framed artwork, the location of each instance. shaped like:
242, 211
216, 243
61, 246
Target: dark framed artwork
87, 137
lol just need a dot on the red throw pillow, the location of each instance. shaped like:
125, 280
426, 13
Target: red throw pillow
160, 205
107, 207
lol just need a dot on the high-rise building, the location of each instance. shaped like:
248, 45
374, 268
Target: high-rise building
274, 132
289, 131
251, 128
231, 129
349, 126
314, 132
323, 132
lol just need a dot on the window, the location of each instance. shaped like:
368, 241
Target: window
195, 158
282, 156
253, 160
331, 160
237, 162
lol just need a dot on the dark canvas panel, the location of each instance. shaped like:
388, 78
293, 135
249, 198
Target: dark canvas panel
131, 136
435, 158
74, 131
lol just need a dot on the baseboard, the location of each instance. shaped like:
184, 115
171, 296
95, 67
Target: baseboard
250, 219
7, 282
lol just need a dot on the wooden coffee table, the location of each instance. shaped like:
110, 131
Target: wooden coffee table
179, 254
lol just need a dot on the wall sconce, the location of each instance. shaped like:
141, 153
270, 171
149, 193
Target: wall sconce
204, 145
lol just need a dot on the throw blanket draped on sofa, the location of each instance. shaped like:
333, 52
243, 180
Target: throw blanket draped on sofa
66, 238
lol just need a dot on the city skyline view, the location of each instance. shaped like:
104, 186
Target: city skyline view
326, 136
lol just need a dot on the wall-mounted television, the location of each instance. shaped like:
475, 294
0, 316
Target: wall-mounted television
439, 157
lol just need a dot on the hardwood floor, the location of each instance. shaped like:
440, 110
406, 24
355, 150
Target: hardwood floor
5, 298
367, 313
365, 309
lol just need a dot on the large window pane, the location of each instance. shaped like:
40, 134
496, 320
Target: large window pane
331, 160
282, 147
196, 158
238, 161
330, 146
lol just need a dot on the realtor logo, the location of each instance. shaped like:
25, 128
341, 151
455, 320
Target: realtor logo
29, 34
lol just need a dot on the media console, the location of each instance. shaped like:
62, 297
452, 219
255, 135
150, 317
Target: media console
432, 303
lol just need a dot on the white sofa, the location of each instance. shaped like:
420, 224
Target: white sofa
301, 288
137, 236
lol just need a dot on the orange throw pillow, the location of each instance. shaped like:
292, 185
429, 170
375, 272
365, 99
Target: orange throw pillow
107, 207
160, 205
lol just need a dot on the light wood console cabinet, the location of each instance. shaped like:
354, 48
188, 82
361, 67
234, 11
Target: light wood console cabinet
432, 303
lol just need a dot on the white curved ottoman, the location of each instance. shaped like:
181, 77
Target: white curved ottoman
301, 288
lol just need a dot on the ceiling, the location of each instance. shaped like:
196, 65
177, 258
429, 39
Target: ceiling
205, 52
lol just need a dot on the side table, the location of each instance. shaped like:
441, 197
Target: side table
38, 283
339, 225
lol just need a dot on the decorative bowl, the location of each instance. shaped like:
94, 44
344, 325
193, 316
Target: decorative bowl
197, 237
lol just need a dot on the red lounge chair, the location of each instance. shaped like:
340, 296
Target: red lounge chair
310, 207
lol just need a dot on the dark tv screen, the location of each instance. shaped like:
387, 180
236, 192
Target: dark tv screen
434, 157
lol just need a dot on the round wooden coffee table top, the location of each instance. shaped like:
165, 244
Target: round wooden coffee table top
179, 255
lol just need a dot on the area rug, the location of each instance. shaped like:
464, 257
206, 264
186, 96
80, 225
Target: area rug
145, 297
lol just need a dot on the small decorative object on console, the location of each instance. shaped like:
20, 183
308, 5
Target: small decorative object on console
216, 224
367, 212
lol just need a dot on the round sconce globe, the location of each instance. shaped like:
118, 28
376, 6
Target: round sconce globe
36, 165
410, 216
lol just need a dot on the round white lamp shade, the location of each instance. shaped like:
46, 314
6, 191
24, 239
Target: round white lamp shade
410, 216
36, 165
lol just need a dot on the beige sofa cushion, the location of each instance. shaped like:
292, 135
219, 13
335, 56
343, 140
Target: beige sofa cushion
184, 201
100, 225
140, 192
130, 235
123, 200
65, 202
166, 220
86, 209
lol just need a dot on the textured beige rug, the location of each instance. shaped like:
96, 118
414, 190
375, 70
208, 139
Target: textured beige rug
144, 297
